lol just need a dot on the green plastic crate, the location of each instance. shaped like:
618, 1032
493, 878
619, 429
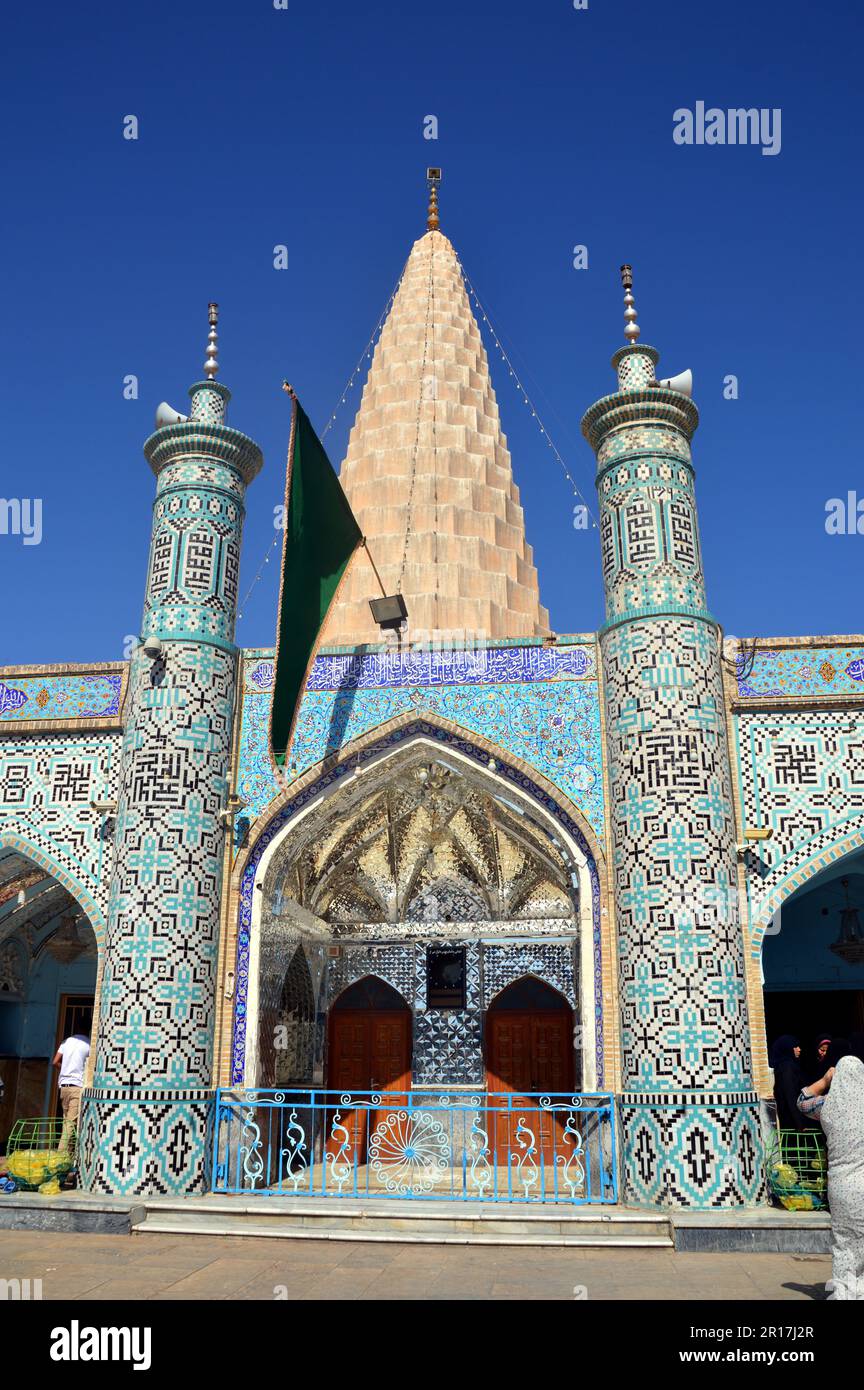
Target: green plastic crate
797, 1168
33, 1153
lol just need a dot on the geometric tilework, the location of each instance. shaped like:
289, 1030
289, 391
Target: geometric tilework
684, 1025
46, 784
158, 989
145, 1143
447, 1044
683, 1006
692, 1150
158, 999
801, 772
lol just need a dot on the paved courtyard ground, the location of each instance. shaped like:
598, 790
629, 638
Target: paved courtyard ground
140, 1266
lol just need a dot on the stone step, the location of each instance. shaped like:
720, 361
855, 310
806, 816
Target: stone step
404, 1231
451, 1222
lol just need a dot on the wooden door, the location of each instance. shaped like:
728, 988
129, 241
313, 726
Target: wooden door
527, 1052
370, 1050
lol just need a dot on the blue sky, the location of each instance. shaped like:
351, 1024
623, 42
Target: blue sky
305, 127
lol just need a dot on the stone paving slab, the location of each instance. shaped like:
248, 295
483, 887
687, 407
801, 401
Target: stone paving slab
96, 1267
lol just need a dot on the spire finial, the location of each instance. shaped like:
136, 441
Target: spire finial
632, 329
211, 366
433, 178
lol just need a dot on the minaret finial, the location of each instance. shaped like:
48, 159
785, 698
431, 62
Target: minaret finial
632, 329
433, 177
211, 366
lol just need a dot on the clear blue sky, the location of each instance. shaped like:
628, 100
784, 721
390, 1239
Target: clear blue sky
305, 127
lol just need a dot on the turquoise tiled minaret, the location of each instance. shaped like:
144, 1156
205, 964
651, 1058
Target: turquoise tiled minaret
689, 1111
158, 996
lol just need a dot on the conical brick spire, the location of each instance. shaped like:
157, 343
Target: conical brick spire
428, 475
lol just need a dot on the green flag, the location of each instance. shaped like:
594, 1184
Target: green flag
320, 538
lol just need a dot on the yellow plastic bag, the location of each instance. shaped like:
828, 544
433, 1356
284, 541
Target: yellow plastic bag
784, 1175
33, 1167
797, 1203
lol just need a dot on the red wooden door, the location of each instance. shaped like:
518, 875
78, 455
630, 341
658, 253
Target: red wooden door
370, 1050
527, 1052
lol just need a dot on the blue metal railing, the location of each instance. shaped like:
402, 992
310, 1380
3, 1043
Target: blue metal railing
416, 1144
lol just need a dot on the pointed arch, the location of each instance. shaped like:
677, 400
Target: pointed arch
508, 777
547, 994
788, 877
41, 854
370, 991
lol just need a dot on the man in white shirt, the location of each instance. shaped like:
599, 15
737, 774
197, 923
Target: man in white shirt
71, 1059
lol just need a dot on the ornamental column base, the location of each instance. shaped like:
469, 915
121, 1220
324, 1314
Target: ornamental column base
146, 1143
692, 1149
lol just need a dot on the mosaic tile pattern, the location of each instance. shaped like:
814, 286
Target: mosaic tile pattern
684, 1026
692, 1151
683, 1006
47, 782
146, 1143
552, 723
552, 962
448, 1044
801, 772
158, 992
67, 696
824, 672
157, 1004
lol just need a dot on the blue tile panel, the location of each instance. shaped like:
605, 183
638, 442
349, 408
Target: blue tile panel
539, 704
821, 672
71, 696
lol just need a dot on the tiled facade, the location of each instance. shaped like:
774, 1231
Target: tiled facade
684, 1026
641, 754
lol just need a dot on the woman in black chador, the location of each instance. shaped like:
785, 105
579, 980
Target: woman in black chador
785, 1058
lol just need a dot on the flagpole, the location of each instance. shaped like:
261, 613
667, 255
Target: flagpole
374, 568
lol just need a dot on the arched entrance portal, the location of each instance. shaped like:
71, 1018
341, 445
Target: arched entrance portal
529, 1053
442, 880
48, 961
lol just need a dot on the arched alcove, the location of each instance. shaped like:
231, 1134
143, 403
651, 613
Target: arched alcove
424, 845
812, 980
48, 970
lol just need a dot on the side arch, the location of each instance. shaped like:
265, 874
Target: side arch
796, 870
794, 873
40, 852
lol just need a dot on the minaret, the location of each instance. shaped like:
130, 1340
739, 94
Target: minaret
689, 1112
428, 472
158, 989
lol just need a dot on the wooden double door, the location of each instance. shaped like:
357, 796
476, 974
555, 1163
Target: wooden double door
369, 1051
529, 1054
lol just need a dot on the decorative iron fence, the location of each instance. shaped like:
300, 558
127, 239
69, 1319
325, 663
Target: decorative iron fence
454, 1146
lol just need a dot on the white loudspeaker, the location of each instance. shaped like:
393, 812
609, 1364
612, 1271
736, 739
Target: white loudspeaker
167, 415
683, 382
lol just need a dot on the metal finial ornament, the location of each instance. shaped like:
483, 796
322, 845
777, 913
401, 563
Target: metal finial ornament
211, 366
434, 178
632, 329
